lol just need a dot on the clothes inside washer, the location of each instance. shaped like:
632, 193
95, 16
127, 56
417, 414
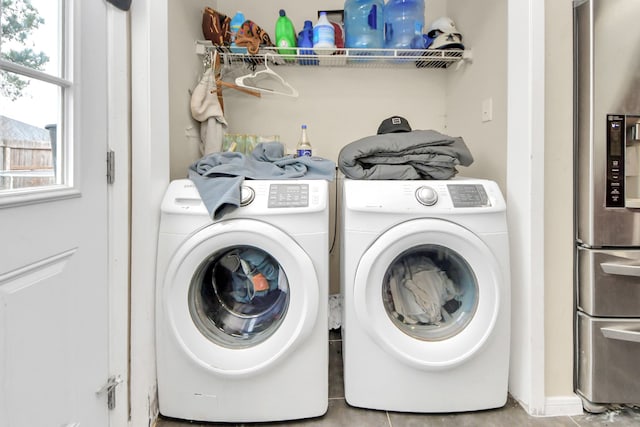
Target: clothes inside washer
247, 293
252, 273
421, 292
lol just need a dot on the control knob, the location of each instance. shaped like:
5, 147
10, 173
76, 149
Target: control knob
246, 195
426, 195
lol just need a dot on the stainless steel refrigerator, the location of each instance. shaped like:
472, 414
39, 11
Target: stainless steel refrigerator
607, 201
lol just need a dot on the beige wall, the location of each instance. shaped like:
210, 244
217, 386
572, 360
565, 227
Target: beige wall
484, 26
558, 199
185, 70
342, 105
339, 105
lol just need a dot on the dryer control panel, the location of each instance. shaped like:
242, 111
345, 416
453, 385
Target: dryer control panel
468, 195
420, 196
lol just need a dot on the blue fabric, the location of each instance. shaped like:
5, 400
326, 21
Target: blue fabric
219, 176
243, 286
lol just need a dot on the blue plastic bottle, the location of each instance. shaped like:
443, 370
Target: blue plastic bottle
404, 23
236, 22
305, 40
364, 24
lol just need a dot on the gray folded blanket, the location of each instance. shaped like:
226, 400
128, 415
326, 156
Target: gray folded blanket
219, 176
420, 154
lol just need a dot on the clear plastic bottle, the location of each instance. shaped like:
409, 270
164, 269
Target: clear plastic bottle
304, 145
364, 24
324, 36
403, 24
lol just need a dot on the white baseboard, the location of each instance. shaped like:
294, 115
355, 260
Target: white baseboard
562, 406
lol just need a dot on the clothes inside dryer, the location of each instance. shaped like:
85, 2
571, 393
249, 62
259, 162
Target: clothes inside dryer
239, 296
430, 292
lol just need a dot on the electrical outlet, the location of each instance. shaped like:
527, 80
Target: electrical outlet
487, 110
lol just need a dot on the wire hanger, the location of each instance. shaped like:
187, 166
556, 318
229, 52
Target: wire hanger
250, 81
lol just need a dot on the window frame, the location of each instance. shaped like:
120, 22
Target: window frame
67, 176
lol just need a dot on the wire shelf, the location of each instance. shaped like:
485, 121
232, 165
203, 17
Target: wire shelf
341, 57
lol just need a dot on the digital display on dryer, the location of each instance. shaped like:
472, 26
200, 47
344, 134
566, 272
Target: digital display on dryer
288, 196
468, 195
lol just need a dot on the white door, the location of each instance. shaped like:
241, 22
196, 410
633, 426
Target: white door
54, 294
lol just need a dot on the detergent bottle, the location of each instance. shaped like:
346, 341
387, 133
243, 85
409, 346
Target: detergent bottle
305, 40
285, 34
324, 37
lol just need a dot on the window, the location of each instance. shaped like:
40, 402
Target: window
34, 86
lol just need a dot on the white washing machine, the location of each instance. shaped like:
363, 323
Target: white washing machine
241, 306
425, 280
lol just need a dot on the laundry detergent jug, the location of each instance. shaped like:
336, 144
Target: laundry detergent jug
403, 24
324, 36
285, 34
364, 24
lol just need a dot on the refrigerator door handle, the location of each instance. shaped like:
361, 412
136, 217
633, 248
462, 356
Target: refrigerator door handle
621, 334
620, 269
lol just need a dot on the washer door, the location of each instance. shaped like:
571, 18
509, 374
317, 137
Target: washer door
427, 291
239, 295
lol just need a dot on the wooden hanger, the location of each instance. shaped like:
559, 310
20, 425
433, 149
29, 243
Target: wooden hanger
236, 87
217, 70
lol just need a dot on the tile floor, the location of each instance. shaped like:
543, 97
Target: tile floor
341, 414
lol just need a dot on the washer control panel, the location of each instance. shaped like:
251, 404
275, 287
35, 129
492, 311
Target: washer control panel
257, 197
288, 196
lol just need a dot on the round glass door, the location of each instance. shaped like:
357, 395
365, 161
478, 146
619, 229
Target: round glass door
239, 296
430, 292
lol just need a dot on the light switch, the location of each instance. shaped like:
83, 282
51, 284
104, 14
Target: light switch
487, 110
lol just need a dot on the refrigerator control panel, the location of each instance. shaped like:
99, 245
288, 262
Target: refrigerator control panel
615, 161
623, 161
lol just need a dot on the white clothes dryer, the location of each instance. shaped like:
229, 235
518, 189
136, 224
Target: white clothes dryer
425, 280
241, 304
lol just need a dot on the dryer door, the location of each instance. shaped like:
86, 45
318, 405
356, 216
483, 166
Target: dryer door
427, 291
239, 295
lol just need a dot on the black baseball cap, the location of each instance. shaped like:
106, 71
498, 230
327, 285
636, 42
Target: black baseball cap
121, 4
394, 124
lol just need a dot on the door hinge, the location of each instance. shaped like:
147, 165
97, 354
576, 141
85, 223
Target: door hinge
111, 166
110, 389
